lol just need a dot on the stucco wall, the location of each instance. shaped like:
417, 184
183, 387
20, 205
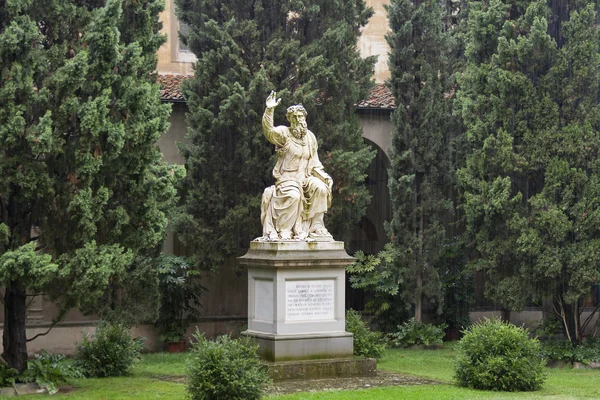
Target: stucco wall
372, 42
377, 127
168, 60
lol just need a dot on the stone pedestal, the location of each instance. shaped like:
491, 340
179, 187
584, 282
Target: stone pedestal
296, 295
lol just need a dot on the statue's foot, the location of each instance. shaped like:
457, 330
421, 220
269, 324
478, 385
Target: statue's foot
321, 232
286, 235
301, 236
272, 236
321, 235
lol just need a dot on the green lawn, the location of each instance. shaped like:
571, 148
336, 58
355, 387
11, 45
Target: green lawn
438, 365
432, 364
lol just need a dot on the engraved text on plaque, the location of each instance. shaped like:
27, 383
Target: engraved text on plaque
309, 300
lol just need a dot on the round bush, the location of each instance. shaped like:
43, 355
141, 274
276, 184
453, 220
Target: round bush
494, 355
111, 351
225, 369
366, 342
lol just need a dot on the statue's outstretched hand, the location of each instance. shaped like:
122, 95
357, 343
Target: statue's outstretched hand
272, 100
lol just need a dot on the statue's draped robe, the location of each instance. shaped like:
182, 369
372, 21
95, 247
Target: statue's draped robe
299, 193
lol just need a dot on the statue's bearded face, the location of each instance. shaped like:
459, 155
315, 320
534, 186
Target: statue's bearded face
298, 124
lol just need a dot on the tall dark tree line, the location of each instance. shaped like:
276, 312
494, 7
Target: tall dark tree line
421, 173
305, 50
529, 97
83, 189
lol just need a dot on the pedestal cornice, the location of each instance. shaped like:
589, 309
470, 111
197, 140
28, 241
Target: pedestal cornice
280, 254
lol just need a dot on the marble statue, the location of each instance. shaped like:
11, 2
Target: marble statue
293, 208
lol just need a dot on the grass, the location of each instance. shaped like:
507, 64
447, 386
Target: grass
567, 384
144, 384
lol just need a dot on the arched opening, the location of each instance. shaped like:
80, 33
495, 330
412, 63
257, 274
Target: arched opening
369, 235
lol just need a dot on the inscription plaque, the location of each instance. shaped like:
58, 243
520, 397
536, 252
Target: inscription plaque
309, 300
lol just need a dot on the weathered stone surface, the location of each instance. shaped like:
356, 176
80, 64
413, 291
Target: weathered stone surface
299, 254
559, 364
7, 392
303, 347
595, 365
382, 379
319, 369
29, 388
293, 208
296, 294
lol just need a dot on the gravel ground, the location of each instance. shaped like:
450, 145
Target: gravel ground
383, 378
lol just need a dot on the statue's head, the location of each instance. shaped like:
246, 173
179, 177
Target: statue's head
296, 115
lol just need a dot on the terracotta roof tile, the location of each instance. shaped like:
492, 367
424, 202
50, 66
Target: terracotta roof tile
380, 96
170, 89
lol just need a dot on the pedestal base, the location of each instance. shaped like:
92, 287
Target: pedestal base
321, 369
303, 346
296, 295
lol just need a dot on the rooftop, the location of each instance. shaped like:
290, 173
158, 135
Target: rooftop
379, 98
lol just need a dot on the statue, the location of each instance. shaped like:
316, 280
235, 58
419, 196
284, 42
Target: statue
293, 208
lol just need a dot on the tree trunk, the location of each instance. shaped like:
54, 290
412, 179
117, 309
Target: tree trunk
419, 298
571, 323
560, 14
420, 267
14, 339
505, 315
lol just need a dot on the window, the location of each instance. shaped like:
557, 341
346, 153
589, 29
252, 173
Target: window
179, 51
183, 52
183, 30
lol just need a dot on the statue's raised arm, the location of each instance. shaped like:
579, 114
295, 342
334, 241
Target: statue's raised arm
293, 208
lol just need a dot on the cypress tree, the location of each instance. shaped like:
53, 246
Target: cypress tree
305, 50
421, 171
529, 98
83, 189
421, 165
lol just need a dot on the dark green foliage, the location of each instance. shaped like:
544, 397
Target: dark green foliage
225, 369
180, 292
458, 284
374, 273
414, 332
371, 273
564, 350
421, 173
50, 370
366, 342
8, 376
306, 51
83, 189
496, 355
111, 351
548, 327
529, 99
133, 296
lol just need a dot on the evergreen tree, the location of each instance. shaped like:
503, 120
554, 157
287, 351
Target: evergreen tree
421, 168
83, 189
305, 50
530, 100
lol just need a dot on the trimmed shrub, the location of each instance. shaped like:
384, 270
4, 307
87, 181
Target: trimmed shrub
225, 369
496, 355
414, 332
366, 342
111, 351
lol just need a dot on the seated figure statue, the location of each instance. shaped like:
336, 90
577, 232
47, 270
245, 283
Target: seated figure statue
293, 208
